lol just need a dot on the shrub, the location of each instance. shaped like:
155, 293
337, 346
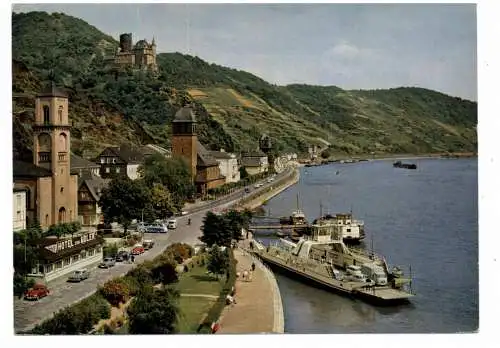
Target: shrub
77, 319
116, 291
180, 251
110, 250
165, 273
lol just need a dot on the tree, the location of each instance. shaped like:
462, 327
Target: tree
218, 261
216, 230
165, 273
236, 221
123, 200
154, 311
162, 201
116, 291
173, 173
243, 173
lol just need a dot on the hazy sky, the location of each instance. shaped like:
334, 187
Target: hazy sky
352, 46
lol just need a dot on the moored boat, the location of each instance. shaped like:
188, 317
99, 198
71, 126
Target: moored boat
324, 260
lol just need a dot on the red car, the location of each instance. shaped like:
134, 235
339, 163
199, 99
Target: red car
137, 250
36, 292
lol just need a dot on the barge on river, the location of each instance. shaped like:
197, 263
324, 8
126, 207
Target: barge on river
324, 260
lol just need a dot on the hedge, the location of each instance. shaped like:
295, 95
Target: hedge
76, 319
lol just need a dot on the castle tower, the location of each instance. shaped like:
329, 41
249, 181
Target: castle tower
51, 150
184, 139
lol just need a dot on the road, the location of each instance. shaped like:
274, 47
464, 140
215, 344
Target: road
27, 314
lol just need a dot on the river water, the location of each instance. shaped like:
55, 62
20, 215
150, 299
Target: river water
426, 218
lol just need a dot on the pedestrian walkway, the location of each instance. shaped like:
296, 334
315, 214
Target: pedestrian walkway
254, 309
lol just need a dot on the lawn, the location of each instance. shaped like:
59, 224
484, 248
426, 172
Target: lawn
192, 311
196, 281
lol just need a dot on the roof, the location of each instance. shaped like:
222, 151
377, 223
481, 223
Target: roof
75, 249
221, 155
78, 162
150, 149
52, 91
127, 153
205, 159
250, 162
185, 114
253, 154
141, 44
95, 184
28, 169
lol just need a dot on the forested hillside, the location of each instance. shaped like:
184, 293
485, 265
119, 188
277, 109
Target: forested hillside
234, 107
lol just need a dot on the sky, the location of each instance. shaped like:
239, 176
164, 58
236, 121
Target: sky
353, 46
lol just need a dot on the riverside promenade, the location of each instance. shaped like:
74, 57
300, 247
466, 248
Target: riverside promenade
258, 307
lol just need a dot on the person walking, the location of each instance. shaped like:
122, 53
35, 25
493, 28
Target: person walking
253, 266
132, 258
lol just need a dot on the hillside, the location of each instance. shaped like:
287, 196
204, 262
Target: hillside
234, 107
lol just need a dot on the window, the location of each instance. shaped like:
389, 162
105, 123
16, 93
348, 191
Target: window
46, 114
83, 254
62, 189
60, 112
348, 230
98, 249
117, 170
58, 264
49, 268
114, 160
66, 261
76, 258
108, 170
91, 252
103, 160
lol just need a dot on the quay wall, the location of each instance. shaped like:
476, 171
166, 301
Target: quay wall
278, 314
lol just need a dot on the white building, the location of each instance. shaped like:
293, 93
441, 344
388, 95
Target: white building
228, 165
59, 257
255, 162
19, 209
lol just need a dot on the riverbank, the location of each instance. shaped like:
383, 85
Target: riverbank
255, 202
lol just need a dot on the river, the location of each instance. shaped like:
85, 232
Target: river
426, 218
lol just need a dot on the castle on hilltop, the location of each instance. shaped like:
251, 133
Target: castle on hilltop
142, 55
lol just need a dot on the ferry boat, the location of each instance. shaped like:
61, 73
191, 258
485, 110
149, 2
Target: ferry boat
351, 230
324, 260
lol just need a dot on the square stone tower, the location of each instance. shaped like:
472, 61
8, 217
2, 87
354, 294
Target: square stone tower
184, 138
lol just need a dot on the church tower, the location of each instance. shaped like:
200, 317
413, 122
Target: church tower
51, 150
184, 139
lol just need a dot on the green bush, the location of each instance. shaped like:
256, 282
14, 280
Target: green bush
110, 250
77, 319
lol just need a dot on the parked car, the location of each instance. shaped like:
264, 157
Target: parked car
247, 189
36, 292
122, 256
148, 244
107, 262
172, 224
79, 275
138, 250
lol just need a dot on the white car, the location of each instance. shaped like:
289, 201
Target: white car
172, 224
